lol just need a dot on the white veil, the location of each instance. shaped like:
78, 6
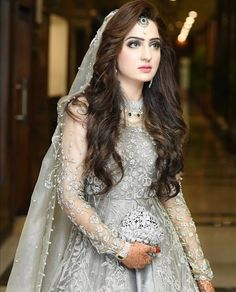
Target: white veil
47, 228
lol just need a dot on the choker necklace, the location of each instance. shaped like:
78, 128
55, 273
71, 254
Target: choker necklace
134, 107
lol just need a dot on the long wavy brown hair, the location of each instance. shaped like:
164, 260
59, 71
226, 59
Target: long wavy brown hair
162, 111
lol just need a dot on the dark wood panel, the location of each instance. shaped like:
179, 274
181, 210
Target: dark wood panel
38, 104
6, 219
19, 96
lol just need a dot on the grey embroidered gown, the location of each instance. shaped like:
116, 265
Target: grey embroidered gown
90, 263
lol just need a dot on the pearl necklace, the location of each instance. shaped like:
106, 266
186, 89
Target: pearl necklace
134, 108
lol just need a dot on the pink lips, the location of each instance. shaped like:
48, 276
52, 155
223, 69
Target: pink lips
145, 69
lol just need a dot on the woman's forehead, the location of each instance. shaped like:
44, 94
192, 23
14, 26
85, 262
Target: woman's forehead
149, 30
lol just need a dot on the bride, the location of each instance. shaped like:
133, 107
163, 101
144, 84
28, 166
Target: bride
107, 213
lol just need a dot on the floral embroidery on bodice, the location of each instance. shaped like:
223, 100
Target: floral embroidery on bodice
137, 149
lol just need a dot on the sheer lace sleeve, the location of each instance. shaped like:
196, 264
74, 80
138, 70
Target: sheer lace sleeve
70, 187
185, 227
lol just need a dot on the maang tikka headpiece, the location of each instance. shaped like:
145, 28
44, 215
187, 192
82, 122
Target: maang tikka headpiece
143, 21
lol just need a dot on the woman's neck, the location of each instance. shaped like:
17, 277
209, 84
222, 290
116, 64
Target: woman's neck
132, 92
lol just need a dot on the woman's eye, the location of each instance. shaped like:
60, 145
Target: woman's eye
156, 45
133, 44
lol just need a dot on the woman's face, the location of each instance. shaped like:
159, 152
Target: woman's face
140, 54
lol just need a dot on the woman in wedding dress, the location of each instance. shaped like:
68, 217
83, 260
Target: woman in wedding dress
107, 213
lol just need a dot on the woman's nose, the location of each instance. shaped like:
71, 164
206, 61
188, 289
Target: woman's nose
146, 54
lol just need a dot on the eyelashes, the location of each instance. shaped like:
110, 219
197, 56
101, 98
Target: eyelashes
133, 44
156, 44
137, 43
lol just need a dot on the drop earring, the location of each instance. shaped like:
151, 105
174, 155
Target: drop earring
150, 84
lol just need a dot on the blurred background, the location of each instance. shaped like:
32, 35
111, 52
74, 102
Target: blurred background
42, 43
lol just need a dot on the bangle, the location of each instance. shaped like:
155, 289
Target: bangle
123, 252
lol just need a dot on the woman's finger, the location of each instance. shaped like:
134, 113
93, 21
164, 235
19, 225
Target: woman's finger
149, 261
152, 249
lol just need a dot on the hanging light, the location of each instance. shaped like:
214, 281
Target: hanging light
189, 21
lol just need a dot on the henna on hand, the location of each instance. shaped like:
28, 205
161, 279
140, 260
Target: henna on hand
205, 286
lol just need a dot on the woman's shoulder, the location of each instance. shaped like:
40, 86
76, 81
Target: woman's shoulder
77, 108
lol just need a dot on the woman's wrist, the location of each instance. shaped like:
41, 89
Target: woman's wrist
123, 252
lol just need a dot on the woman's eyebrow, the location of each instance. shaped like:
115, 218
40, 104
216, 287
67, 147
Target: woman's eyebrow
141, 39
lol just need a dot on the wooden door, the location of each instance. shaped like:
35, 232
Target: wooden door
16, 25
20, 103
5, 203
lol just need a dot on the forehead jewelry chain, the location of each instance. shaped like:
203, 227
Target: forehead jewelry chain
143, 22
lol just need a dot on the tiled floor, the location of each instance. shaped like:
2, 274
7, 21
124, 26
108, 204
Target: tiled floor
210, 190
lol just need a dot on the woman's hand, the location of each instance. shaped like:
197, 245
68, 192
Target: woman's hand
138, 256
205, 286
